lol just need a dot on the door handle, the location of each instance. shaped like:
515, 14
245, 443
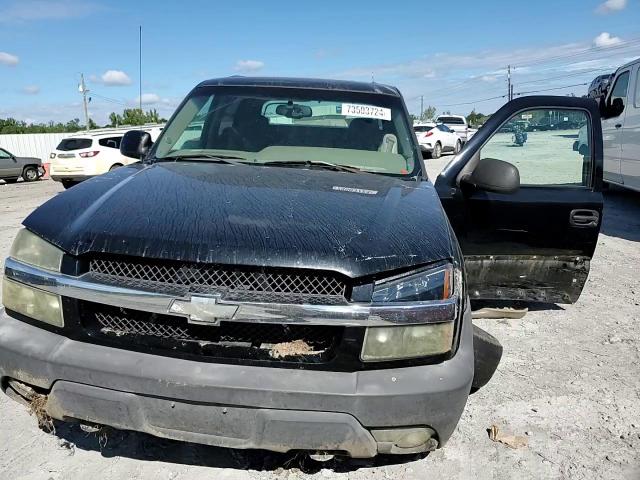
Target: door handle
584, 218
618, 125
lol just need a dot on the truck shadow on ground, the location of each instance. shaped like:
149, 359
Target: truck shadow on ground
111, 443
621, 216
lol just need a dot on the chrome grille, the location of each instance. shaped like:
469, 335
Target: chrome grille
251, 285
240, 341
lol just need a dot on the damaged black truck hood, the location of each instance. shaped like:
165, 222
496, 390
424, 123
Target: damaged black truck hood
354, 223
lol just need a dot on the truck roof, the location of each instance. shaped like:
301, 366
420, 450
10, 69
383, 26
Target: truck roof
111, 131
311, 83
628, 64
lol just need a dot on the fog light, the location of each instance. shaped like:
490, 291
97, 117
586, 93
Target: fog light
405, 440
394, 343
31, 302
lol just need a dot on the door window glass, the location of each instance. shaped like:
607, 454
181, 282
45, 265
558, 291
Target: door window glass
637, 100
4, 154
111, 142
620, 88
549, 147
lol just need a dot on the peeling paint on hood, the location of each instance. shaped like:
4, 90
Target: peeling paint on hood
250, 215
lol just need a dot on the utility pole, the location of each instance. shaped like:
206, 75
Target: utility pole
509, 87
140, 68
83, 89
421, 106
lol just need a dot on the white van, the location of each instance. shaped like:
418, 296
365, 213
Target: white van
88, 154
621, 127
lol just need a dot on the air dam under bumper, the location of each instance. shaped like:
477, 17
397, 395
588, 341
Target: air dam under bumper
237, 406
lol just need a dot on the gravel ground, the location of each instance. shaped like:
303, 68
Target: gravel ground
569, 381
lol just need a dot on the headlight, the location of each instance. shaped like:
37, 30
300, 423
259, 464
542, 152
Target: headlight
433, 284
37, 304
411, 341
30, 248
394, 343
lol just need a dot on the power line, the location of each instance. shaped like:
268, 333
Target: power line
472, 102
554, 88
566, 75
107, 99
587, 51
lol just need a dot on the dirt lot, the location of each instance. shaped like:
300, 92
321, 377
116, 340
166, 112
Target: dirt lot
569, 382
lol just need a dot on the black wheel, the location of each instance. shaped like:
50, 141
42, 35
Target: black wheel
30, 174
437, 150
10, 180
113, 167
68, 184
457, 148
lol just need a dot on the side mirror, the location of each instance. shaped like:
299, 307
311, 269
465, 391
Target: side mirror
494, 175
135, 144
611, 110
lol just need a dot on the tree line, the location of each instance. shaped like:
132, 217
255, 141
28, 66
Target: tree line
130, 116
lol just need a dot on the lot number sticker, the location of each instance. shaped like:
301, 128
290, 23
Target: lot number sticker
365, 111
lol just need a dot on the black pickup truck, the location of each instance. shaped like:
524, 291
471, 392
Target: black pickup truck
279, 272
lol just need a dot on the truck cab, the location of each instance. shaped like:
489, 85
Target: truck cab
621, 127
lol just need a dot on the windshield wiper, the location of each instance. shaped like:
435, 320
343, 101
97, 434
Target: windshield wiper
228, 159
310, 163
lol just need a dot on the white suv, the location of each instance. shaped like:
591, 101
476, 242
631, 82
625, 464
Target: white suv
436, 139
88, 154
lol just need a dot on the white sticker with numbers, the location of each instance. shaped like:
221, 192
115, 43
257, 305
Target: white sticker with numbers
365, 111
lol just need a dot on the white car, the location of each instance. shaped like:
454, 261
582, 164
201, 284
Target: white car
437, 138
88, 154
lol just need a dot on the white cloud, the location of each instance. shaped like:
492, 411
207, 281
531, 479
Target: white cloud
8, 59
115, 78
248, 66
606, 40
149, 99
20, 11
610, 6
488, 78
31, 90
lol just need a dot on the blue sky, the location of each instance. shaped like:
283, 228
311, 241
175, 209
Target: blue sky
453, 53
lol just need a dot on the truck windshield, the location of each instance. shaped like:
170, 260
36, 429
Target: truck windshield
264, 125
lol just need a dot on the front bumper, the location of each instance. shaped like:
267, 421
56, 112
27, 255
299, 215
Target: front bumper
237, 406
73, 177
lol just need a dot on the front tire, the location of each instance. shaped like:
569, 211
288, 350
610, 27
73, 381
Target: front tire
437, 150
67, 184
457, 148
30, 174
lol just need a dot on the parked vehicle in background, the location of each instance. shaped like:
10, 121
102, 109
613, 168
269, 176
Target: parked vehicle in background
620, 110
12, 168
459, 125
88, 154
289, 278
599, 86
436, 139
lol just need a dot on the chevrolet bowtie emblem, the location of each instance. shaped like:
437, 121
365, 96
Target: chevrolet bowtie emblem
203, 310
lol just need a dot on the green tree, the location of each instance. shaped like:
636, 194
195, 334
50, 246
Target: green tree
429, 114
